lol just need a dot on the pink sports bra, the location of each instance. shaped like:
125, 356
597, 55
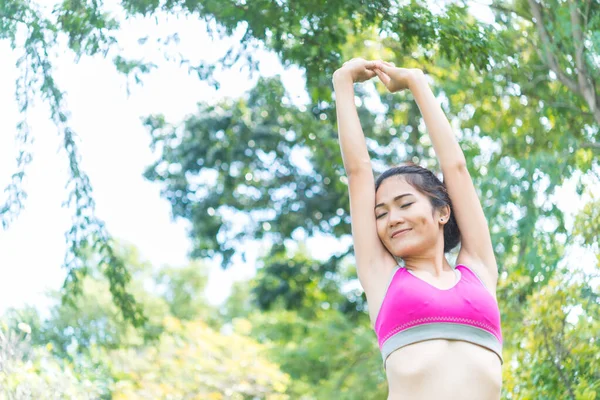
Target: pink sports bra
414, 310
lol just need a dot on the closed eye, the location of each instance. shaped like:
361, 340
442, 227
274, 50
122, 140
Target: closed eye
384, 214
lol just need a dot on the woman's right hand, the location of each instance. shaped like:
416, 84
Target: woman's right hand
357, 69
395, 79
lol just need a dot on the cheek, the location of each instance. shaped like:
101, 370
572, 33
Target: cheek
428, 225
380, 225
382, 232
424, 222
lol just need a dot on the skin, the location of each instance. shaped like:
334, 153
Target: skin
424, 241
432, 369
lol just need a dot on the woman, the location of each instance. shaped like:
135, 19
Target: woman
438, 326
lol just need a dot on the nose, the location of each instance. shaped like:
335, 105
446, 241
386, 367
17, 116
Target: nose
396, 217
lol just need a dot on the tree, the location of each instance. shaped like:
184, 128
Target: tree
27, 373
523, 131
525, 105
587, 225
94, 320
297, 311
327, 355
191, 360
183, 290
90, 31
294, 281
559, 342
90, 345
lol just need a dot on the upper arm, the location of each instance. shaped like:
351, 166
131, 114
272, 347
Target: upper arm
372, 258
476, 243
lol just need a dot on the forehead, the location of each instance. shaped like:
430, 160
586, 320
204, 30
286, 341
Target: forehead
392, 187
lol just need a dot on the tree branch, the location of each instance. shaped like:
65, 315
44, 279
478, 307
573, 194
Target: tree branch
569, 107
586, 84
557, 365
586, 16
15, 19
591, 145
547, 45
507, 10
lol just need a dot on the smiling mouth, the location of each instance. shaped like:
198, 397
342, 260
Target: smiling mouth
396, 234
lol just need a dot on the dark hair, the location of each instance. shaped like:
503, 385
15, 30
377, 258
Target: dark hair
427, 183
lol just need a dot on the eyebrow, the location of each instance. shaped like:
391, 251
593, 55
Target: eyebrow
395, 198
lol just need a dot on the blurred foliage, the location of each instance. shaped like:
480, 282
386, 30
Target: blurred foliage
522, 94
94, 320
35, 37
34, 373
559, 342
326, 356
94, 347
299, 350
290, 29
513, 63
193, 361
587, 225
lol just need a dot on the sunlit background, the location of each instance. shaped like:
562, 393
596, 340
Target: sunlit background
106, 110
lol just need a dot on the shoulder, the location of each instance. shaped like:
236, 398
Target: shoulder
376, 278
487, 273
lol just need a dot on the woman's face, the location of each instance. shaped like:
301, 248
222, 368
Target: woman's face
406, 223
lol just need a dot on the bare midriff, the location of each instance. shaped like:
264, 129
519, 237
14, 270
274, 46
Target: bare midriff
444, 369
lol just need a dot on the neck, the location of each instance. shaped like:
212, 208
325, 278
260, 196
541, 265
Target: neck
434, 267
432, 260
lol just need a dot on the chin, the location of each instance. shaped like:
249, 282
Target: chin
401, 251
406, 251
398, 253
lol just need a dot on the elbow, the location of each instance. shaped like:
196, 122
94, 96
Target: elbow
359, 168
457, 165
453, 168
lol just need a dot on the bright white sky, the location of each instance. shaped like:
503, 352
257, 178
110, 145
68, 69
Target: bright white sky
115, 151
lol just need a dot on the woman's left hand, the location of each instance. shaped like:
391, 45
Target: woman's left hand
358, 69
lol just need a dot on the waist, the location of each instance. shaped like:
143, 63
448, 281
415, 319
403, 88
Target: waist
444, 369
434, 331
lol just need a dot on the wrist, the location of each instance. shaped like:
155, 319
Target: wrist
417, 78
342, 76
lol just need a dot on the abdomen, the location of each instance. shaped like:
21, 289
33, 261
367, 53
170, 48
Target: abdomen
444, 369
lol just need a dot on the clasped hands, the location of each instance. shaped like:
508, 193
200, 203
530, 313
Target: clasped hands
395, 79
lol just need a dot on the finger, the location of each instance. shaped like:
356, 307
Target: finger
366, 75
385, 68
391, 64
370, 65
384, 78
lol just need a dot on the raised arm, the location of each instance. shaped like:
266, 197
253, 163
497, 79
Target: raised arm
371, 256
476, 245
